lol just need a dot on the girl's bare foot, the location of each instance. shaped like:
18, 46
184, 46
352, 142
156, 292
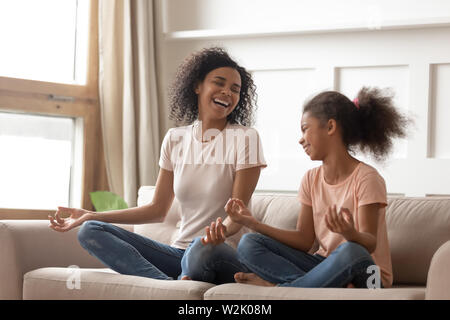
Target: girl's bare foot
251, 278
351, 285
185, 278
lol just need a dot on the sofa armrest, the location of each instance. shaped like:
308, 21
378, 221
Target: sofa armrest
26, 245
438, 282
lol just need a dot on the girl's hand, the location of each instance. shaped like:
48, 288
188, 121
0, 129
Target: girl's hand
76, 218
341, 223
238, 213
215, 234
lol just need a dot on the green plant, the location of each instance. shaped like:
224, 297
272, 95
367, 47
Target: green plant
106, 200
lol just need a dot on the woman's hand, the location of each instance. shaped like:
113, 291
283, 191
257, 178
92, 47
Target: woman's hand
341, 222
76, 218
215, 234
238, 213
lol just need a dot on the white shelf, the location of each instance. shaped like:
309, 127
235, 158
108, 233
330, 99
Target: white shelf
205, 34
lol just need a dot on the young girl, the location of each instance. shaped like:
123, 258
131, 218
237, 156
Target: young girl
343, 202
211, 93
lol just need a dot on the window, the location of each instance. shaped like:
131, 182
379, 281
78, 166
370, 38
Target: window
48, 42
37, 161
48, 105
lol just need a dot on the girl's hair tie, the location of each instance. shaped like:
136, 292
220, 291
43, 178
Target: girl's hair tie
356, 103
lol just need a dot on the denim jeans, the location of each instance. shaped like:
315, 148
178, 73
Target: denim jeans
129, 253
289, 267
211, 263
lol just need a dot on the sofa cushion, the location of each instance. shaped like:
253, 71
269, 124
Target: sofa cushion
105, 284
238, 291
417, 227
164, 232
167, 231
276, 209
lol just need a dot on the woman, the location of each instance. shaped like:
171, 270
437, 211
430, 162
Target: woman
200, 166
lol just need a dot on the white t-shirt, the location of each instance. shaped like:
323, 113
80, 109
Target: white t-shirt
204, 173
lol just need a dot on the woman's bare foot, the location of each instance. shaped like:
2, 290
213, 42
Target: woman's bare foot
185, 278
251, 278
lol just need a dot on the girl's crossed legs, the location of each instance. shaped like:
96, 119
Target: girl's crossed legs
279, 264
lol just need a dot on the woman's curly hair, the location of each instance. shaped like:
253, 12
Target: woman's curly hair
370, 124
183, 100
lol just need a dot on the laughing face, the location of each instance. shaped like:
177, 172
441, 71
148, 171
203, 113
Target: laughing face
315, 137
218, 94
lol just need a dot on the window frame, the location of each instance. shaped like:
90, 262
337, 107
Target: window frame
58, 99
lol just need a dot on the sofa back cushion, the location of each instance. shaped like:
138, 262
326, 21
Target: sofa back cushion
416, 227
164, 232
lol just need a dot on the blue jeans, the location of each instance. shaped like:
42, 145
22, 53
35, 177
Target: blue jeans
129, 253
211, 263
288, 267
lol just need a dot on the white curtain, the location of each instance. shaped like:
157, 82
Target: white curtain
128, 95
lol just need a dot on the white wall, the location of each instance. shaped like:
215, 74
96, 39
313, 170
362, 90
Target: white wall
294, 52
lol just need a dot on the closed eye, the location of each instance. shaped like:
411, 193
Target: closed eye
236, 90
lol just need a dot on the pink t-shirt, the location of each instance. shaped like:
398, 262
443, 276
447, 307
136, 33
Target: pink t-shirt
364, 186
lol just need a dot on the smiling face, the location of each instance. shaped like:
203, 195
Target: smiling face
315, 137
218, 94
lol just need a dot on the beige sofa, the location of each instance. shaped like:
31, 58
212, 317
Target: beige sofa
39, 263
